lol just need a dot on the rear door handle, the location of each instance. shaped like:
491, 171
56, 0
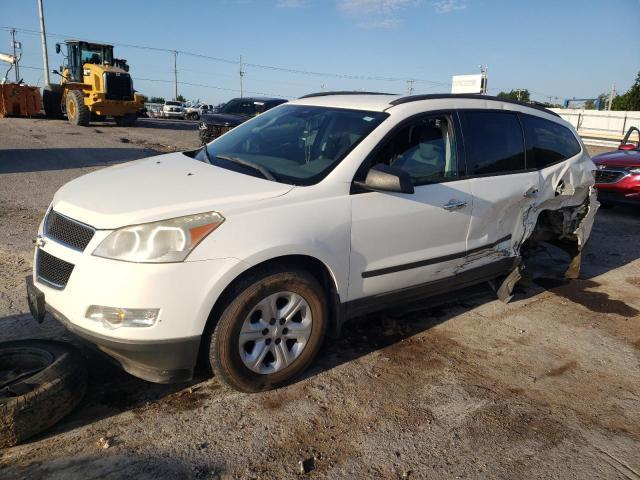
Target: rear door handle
532, 192
454, 204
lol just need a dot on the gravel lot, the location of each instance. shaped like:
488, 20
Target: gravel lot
547, 386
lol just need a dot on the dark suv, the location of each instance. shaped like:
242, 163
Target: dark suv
232, 114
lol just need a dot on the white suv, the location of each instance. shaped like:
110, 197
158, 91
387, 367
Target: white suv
252, 249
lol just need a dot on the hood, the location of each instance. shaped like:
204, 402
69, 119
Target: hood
225, 119
158, 188
618, 158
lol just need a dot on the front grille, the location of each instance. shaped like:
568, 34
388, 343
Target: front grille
70, 232
609, 176
210, 132
52, 270
118, 86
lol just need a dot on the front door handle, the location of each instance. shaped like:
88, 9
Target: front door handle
454, 204
532, 192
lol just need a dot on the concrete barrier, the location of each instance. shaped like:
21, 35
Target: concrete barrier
596, 127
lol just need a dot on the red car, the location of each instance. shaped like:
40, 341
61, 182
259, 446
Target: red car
618, 173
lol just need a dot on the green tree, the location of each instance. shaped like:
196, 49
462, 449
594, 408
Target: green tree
180, 98
155, 100
589, 105
521, 95
630, 100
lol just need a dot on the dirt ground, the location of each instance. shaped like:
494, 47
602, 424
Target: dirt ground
547, 386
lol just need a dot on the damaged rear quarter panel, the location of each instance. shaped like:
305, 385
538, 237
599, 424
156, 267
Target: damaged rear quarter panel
566, 186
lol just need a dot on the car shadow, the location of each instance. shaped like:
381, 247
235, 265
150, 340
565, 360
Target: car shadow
45, 159
113, 466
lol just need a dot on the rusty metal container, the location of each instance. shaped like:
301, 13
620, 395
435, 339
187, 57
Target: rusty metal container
19, 100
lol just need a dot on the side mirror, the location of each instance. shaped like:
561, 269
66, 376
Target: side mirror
58, 48
386, 178
627, 146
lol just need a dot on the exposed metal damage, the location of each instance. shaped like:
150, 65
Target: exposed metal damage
564, 219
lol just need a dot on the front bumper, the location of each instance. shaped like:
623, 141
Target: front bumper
625, 191
184, 293
166, 361
173, 114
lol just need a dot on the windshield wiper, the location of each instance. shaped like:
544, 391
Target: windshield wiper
247, 163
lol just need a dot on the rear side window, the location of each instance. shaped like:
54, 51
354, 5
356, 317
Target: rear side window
547, 142
493, 142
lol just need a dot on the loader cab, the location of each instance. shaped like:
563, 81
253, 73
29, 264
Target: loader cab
80, 53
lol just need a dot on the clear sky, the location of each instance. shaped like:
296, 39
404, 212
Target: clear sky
558, 48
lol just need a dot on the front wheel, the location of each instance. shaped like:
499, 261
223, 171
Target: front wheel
77, 111
270, 330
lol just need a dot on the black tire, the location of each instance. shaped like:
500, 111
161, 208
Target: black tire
98, 118
52, 101
126, 120
77, 112
223, 345
34, 403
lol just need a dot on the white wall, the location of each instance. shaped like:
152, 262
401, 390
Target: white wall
600, 127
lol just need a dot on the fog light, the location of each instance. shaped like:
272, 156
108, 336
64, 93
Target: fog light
114, 317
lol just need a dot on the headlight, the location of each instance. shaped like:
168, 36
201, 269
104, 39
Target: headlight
634, 170
159, 242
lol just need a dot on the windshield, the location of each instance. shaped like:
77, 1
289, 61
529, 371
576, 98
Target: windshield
173, 104
96, 54
297, 144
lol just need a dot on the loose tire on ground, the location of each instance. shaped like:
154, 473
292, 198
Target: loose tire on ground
126, 120
52, 101
77, 112
35, 401
223, 344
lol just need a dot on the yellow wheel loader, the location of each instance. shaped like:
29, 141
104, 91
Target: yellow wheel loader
93, 85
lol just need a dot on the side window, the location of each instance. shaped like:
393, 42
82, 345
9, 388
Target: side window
425, 149
493, 142
547, 142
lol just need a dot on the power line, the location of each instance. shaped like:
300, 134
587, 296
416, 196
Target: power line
345, 76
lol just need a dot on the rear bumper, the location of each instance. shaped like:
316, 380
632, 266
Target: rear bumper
158, 361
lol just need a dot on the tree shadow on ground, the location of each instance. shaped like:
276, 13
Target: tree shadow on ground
44, 159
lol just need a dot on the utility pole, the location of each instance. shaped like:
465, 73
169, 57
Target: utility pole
175, 75
410, 83
241, 77
15, 44
45, 55
483, 82
611, 95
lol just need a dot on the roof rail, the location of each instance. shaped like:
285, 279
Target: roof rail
344, 92
475, 96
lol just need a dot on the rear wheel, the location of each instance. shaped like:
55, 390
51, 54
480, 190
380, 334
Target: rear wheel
126, 120
77, 112
270, 330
